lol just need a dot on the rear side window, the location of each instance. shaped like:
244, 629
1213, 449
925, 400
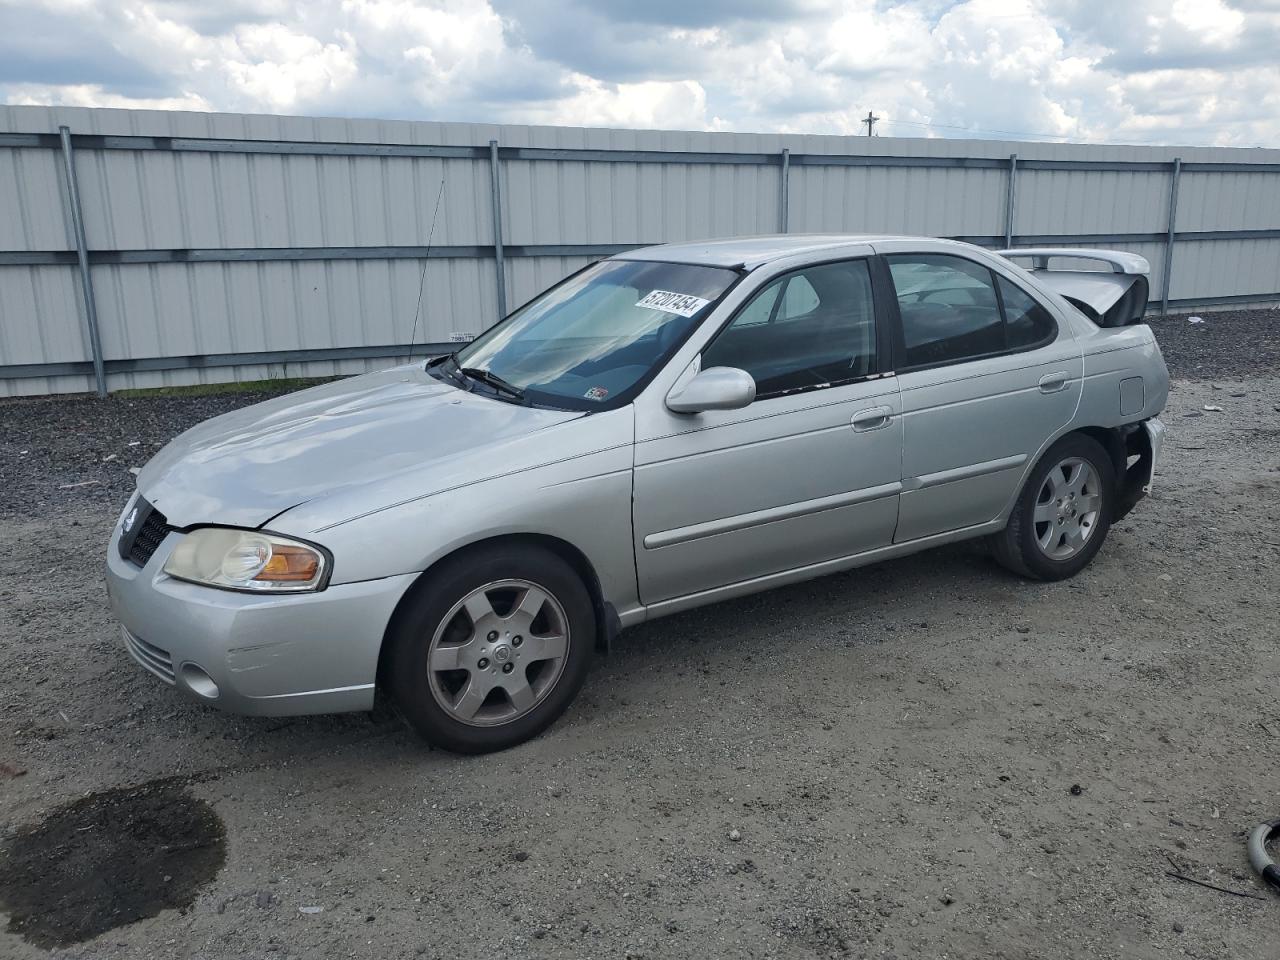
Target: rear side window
805, 330
949, 309
953, 309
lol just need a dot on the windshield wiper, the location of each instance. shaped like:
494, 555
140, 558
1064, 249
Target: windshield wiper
491, 379
447, 367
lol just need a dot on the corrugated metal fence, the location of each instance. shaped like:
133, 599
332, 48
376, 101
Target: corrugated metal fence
150, 248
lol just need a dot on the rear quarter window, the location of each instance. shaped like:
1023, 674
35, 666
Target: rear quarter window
1027, 323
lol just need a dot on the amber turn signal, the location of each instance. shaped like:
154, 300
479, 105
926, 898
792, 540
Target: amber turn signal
290, 564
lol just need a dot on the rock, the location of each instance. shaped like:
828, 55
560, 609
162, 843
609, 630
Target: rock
311, 910
520, 856
264, 898
735, 835
1076, 790
1177, 927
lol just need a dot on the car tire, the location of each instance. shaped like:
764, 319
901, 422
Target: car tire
472, 666
1062, 514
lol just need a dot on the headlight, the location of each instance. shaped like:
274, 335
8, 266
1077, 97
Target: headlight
247, 560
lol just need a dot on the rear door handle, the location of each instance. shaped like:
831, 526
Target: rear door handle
872, 419
1053, 382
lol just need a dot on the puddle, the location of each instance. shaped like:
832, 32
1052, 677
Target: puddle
109, 859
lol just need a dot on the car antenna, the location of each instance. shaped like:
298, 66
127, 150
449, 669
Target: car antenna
422, 279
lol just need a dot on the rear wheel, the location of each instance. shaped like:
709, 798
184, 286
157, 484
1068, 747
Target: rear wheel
1063, 512
491, 648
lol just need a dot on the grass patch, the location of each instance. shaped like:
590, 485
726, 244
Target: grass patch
278, 385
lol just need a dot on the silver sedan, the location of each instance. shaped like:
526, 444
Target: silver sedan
670, 427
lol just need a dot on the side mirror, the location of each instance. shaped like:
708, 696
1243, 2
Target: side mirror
717, 388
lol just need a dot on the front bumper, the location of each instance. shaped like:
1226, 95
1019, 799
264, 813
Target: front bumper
266, 655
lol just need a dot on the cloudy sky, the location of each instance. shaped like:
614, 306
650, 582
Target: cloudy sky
1137, 71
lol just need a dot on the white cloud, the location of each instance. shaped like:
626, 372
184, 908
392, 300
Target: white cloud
1195, 71
273, 65
679, 104
1211, 22
92, 95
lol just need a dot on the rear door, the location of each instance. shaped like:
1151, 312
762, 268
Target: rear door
987, 375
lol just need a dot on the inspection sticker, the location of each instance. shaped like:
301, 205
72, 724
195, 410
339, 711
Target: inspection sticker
684, 304
596, 393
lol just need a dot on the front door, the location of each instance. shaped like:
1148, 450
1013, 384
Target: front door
806, 473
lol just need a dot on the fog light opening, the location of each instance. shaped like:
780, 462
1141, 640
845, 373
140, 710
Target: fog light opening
196, 680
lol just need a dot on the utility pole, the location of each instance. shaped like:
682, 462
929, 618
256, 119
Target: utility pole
870, 121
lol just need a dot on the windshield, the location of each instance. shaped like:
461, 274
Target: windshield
591, 339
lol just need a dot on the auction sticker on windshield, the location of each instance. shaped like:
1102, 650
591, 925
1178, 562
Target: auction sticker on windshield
684, 304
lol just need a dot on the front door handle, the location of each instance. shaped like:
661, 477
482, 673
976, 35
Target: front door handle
872, 419
1053, 382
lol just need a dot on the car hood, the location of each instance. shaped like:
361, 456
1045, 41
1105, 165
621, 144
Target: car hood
246, 467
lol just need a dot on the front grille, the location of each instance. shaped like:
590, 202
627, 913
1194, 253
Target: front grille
154, 529
149, 655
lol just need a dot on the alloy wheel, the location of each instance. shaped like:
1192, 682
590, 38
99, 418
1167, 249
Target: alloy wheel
498, 652
1067, 506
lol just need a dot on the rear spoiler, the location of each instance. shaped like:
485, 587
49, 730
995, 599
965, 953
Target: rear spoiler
1110, 299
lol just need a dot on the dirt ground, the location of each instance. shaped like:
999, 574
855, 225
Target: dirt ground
928, 758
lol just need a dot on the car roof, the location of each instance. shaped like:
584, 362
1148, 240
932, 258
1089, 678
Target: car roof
751, 252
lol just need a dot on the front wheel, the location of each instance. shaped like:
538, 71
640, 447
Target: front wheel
491, 648
1063, 512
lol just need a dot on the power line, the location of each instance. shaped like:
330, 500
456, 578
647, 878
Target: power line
1169, 139
954, 126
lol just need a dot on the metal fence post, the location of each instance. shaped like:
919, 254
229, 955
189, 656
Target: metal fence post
496, 196
82, 255
1011, 201
784, 213
1168, 243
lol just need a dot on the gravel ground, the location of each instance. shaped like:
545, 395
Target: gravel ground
924, 758
72, 451
1231, 344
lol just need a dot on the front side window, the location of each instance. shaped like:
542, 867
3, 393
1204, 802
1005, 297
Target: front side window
588, 341
811, 328
951, 311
